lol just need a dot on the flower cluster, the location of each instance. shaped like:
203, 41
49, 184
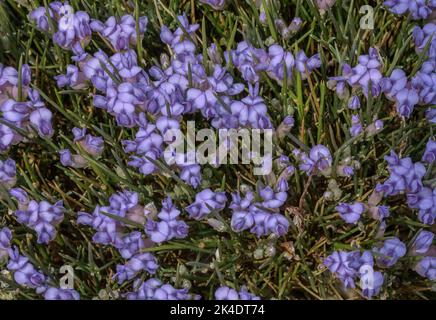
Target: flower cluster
226, 293
215, 4
169, 226
426, 267
206, 202
154, 289
261, 217
318, 159
365, 75
5, 242
419, 90
350, 213
149, 101
139, 262
184, 83
27, 115
120, 34
8, 174
92, 145
406, 177
109, 231
25, 273
42, 217
422, 243
348, 266
417, 9
278, 63
388, 254
72, 29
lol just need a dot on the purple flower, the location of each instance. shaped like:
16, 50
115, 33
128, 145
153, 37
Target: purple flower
205, 202
8, 137
251, 111
422, 37
25, 273
430, 115
121, 34
242, 211
126, 64
165, 124
53, 293
215, 4
5, 242
379, 212
356, 126
43, 218
374, 128
306, 65
15, 112
421, 200
277, 224
429, 155
245, 295
250, 61
339, 82
169, 227
324, 5
388, 254
73, 78
139, 262
260, 227
147, 144
154, 289
393, 84
350, 213
220, 83
41, 119
280, 61
108, 230
372, 286
345, 171
273, 199
91, 144
8, 176
158, 231
191, 174
406, 99
427, 268
340, 263
348, 171
69, 160
404, 176
423, 241
73, 32
354, 103
367, 72
424, 82
418, 9
21, 196
39, 16
319, 159
226, 293
132, 243
295, 24
169, 211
